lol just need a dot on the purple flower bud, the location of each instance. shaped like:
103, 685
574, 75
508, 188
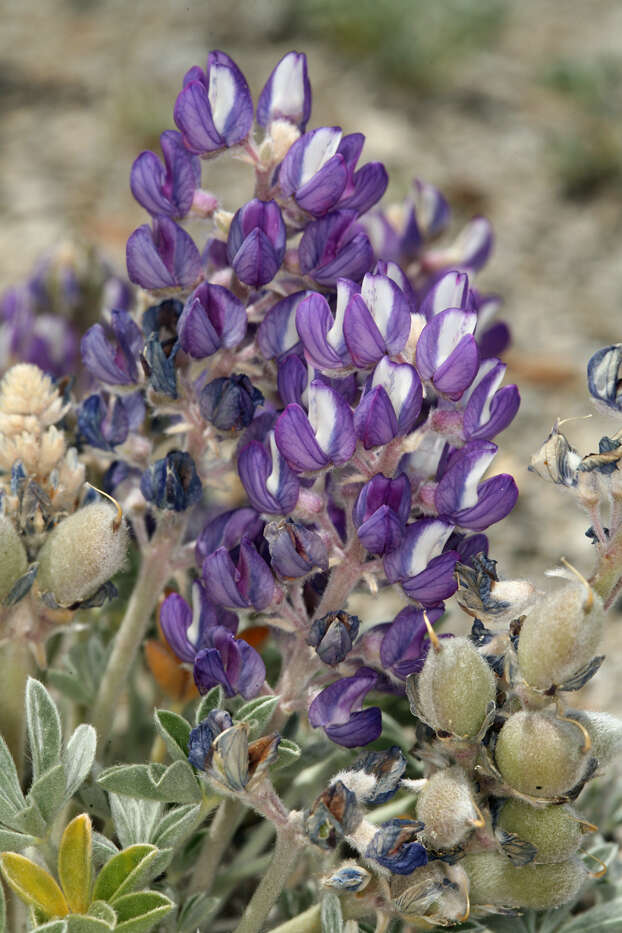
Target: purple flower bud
215, 108
425, 572
470, 250
227, 530
159, 364
172, 482
202, 737
463, 500
403, 648
295, 550
364, 187
105, 424
335, 246
374, 419
277, 334
325, 436
447, 353
377, 321
287, 93
166, 190
256, 242
489, 409
162, 256
114, 365
403, 387
229, 403
494, 340
313, 171
291, 379
333, 635
270, 484
603, 376
431, 209
394, 272
467, 546
333, 814
230, 662
321, 334
451, 290
212, 318
334, 708
381, 511
187, 630
250, 583
395, 847
387, 768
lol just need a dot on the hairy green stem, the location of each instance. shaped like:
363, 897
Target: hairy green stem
310, 921
343, 579
227, 818
282, 865
152, 576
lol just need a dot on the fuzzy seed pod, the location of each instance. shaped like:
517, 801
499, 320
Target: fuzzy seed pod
560, 636
494, 880
446, 807
554, 831
82, 553
605, 732
455, 688
13, 560
541, 755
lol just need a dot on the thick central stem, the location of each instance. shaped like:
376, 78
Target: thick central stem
282, 865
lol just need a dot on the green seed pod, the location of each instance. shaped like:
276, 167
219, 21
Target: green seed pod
494, 880
605, 732
554, 831
455, 688
541, 755
446, 807
82, 553
13, 560
560, 636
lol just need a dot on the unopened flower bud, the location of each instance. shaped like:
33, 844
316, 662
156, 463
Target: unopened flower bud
554, 831
229, 402
540, 754
560, 636
13, 560
333, 635
494, 880
82, 553
446, 807
455, 688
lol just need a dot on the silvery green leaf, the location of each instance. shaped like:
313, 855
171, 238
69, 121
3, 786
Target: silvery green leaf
28, 820
3, 926
606, 917
44, 729
124, 872
103, 849
175, 731
257, 713
11, 797
177, 825
288, 752
48, 792
330, 914
103, 911
78, 757
139, 912
135, 820
15, 842
55, 926
213, 699
70, 685
84, 924
197, 910
175, 784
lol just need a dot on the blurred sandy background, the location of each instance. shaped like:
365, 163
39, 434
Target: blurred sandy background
513, 109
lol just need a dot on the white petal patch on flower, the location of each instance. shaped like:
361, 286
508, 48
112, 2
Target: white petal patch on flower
274, 480
345, 290
221, 94
454, 327
470, 240
468, 496
322, 414
287, 91
397, 381
429, 544
321, 147
450, 292
193, 629
378, 293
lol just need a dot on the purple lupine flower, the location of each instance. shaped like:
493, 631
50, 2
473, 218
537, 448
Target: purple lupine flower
106, 423
172, 482
404, 648
277, 334
167, 189
287, 93
603, 377
313, 172
162, 256
202, 737
467, 546
256, 242
215, 109
230, 662
227, 530
394, 272
291, 379
461, 498
381, 511
320, 332
249, 583
395, 846
431, 209
365, 186
335, 246
390, 404
335, 710
229, 402
295, 550
450, 290
387, 768
113, 364
419, 563
212, 318
489, 409
470, 250
187, 629
323, 437
333, 635
270, 484
447, 353
376, 322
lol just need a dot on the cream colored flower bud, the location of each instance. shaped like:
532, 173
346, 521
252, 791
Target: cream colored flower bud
13, 559
446, 807
82, 553
494, 880
541, 755
560, 635
455, 688
554, 831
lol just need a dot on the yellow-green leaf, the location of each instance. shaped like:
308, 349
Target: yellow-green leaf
117, 875
75, 863
33, 884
